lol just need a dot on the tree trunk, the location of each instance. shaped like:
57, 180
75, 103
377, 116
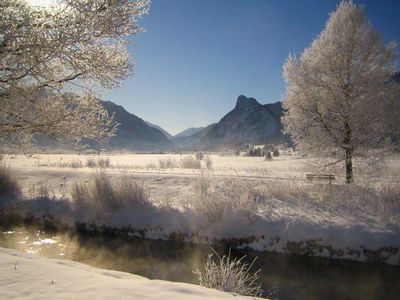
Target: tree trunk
349, 154
349, 165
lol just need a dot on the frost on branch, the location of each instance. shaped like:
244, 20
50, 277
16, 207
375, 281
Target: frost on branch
53, 59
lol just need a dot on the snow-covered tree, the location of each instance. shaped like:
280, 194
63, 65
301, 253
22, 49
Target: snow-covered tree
339, 91
56, 56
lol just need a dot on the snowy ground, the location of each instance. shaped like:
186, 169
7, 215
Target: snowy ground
286, 221
46, 169
24, 276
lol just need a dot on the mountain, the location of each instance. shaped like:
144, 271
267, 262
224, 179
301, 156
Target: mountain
166, 133
188, 132
249, 122
133, 132
189, 142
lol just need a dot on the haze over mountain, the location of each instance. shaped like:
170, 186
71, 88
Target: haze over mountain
134, 133
188, 132
166, 133
248, 123
191, 142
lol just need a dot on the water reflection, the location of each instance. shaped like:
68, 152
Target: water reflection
296, 277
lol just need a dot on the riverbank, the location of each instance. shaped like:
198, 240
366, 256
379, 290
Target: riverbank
359, 222
26, 276
281, 227
175, 261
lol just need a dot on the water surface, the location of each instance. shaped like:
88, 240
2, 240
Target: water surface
283, 276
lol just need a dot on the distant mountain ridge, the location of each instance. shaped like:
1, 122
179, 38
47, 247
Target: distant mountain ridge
166, 133
248, 123
190, 142
188, 132
134, 133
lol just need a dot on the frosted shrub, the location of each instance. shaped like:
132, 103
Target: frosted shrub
382, 202
199, 155
210, 206
220, 200
167, 163
390, 199
390, 194
209, 163
74, 164
99, 163
268, 156
131, 193
255, 152
205, 201
90, 162
347, 196
356, 200
68, 164
96, 193
151, 166
243, 197
104, 162
284, 189
190, 162
202, 184
230, 198
230, 275
103, 194
42, 191
9, 187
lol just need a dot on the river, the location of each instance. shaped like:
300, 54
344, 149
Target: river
283, 277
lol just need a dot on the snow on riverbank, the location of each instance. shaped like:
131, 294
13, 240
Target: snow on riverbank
357, 222
281, 228
23, 276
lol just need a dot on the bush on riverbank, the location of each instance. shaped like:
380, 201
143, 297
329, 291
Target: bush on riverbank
230, 275
103, 194
232, 198
220, 200
9, 187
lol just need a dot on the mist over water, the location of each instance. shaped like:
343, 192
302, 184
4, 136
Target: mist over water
282, 276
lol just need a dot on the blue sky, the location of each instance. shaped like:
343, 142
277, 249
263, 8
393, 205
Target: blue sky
197, 56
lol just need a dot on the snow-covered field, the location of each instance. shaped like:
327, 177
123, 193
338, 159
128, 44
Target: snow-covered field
55, 171
25, 276
59, 171
269, 205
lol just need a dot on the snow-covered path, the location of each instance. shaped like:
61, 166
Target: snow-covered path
23, 276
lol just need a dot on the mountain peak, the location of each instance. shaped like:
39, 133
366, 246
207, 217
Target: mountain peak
243, 101
248, 123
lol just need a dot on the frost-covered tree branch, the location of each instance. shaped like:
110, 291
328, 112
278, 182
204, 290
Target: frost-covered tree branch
53, 59
340, 91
